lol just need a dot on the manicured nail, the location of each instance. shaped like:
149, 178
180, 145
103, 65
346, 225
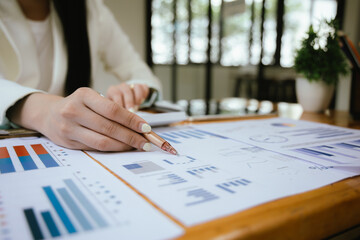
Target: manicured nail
131, 110
147, 147
145, 128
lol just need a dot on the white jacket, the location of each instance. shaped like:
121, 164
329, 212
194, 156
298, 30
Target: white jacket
19, 68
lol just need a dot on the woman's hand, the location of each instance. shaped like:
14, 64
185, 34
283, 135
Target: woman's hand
84, 120
128, 96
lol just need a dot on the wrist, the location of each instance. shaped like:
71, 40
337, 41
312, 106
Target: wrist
30, 111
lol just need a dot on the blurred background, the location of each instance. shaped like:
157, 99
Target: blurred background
216, 49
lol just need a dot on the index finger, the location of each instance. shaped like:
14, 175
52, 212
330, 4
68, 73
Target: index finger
114, 112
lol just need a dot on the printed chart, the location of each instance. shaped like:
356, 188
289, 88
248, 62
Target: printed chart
50, 192
31, 157
225, 168
84, 213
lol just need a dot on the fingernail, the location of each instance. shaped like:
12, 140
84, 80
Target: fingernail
131, 109
147, 147
145, 128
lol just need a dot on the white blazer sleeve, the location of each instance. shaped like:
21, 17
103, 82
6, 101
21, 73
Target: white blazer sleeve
118, 54
10, 93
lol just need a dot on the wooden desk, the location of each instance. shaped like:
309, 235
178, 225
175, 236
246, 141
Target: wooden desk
316, 214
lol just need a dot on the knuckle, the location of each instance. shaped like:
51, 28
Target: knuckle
82, 91
68, 110
131, 120
109, 128
132, 140
112, 110
101, 144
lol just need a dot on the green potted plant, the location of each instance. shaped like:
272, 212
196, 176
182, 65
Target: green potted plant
319, 63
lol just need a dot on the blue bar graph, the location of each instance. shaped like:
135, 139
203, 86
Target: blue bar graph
318, 154
177, 136
100, 221
211, 134
50, 224
6, 165
167, 161
44, 156
225, 188
59, 209
180, 160
349, 146
336, 151
190, 134
201, 194
320, 132
169, 139
33, 224
200, 172
171, 179
173, 135
28, 163
25, 159
75, 209
48, 160
230, 185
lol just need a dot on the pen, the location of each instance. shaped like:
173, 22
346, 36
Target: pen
160, 142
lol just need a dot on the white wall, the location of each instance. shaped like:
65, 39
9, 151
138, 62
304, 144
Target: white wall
131, 17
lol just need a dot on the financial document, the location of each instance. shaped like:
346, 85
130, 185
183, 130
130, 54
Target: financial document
51, 192
224, 168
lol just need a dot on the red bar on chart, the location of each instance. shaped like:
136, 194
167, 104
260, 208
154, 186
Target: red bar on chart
21, 151
44, 156
4, 153
6, 165
39, 149
25, 159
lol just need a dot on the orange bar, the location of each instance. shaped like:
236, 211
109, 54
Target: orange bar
4, 153
39, 149
21, 151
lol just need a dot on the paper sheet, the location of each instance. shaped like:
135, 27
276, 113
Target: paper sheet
221, 171
47, 191
321, 144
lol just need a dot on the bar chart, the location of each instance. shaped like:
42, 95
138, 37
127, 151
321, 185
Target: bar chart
350, 146
199, 196
170, 179
337, 153
180, 160
70, 209
233, 185
26, 158
143, 167
194, 134
202, 172
318, 133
